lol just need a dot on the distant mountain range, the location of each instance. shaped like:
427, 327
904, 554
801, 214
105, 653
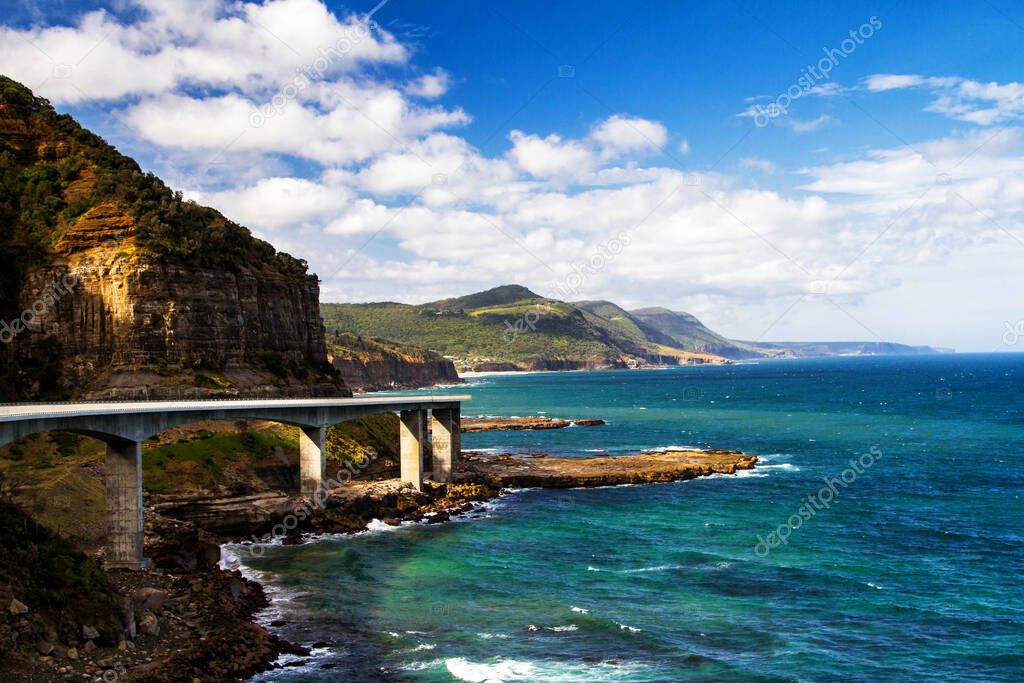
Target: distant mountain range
513, 328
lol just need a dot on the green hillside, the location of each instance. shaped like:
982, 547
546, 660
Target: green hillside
689, 333
511, 325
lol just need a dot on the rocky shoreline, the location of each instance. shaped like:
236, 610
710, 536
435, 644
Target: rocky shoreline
189, 619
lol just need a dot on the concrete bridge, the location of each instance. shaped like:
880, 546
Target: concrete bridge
124, 426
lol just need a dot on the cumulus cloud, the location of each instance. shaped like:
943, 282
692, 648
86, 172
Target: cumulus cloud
366, 175
246, 47
551, 156
619, 135
430, 85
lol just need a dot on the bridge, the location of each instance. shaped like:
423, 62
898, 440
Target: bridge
123, 426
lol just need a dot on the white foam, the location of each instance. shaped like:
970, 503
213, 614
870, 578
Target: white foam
580, 610
553, 671
494, 636
644, 570
624, 627
785, 466
741, 473
501, 670
379, 526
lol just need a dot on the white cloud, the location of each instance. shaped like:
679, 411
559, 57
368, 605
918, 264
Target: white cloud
275, 203
984, 104
551, 156
619, 135
246, 47
883, 82
806, 126
758, 164
354, 156
430, 85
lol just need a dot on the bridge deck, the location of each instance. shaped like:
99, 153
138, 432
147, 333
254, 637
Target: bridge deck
30, 411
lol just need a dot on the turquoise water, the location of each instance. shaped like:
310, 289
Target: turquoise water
913, 571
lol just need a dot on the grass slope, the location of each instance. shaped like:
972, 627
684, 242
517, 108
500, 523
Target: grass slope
531, 331
511, 324
689, 333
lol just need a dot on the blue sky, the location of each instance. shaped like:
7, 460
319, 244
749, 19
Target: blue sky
587, 150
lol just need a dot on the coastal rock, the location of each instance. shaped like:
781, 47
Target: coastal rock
489, 424
18, 607
148, 624
89, 632
505, 471
149, 599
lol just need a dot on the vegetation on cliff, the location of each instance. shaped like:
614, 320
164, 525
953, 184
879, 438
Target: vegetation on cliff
512, 328
168, 298
58, 585
53, 172
370, 364
508, 325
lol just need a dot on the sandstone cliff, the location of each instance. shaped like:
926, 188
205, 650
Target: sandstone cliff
113, 286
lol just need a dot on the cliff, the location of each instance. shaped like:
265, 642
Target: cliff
115, 287
377, 364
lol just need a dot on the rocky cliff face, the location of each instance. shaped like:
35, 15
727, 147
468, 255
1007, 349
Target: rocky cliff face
376, 364
394, 373
116, 288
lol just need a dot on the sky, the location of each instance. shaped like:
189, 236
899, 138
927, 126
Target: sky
784, 171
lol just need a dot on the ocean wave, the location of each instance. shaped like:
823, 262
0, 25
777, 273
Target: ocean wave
553, 629
625, 627
493, 636
579, 610
667, 449
785, 466
637, 570
741, 474
520, 670
644, 570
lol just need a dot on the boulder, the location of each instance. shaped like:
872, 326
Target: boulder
18, 607
89, 632
149, 599
148, 625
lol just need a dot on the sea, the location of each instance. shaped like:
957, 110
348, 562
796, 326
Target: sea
880, 538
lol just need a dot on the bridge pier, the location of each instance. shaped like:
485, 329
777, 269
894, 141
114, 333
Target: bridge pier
124, 504
312, 459
413, 433
445, 442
